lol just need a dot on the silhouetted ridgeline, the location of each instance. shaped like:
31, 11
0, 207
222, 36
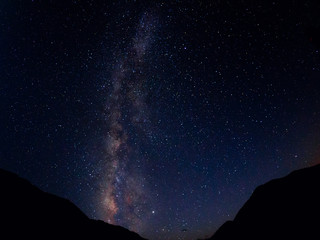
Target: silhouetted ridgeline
284, 208
26, 212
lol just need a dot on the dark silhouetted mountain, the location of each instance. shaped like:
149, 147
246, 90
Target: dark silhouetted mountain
26, 212
284, 208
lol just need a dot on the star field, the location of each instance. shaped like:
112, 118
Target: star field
159, 117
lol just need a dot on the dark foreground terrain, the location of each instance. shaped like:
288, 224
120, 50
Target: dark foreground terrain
26, 212
285, 208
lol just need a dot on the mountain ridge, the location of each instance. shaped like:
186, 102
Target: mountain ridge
282, 208
28, 212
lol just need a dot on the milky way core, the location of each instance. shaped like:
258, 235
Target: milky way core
124, 191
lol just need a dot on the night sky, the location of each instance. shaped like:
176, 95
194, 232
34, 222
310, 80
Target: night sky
161, 117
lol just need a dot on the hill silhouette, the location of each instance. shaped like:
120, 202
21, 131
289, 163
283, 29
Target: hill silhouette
284, 208
26, 212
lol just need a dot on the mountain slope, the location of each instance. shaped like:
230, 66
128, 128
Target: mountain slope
284, 208
26, 212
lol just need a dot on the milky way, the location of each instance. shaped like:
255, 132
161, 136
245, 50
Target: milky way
123, 199
158, 117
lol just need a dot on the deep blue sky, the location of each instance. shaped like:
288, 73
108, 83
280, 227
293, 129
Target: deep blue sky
160, 117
